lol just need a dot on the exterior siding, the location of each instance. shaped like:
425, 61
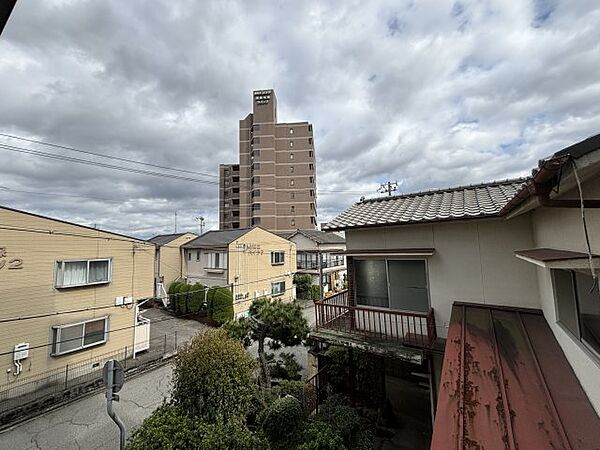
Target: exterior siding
196, 271
250, 267
30, 290
170, 259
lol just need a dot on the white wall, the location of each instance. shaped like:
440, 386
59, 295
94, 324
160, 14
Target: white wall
562, 228
473, 261
196, 272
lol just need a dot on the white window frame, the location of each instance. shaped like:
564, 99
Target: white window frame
277, 283
274, 259
57, 329
222, 260
60, 273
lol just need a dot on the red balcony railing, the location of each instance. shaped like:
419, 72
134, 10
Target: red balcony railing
407, 328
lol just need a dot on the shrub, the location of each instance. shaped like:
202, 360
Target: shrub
231, 435
222, 306
320, 436
315, 292
286, 367
303, 283
182, 299
281, 421
345, 422
213, 378
293, 388
166, 428
196, 298
173, 290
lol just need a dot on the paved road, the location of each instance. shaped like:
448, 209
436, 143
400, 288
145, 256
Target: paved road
84, 424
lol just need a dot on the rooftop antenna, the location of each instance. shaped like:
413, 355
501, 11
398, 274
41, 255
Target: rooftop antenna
388, 187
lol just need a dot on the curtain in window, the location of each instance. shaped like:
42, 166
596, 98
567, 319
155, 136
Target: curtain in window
408, 285
98, 271
94, 332
74, 273
70, 338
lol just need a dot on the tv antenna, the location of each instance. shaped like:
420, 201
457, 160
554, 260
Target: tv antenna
388, 187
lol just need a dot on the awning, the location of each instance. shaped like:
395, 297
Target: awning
403, 252
557, 259
506, 384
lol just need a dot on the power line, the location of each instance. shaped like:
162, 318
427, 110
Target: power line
87, 152
17, 149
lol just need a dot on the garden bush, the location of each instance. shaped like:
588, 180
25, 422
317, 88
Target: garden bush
182, 299
222, 306
213, 378
231, 435
166, 428
303, 283
196, 298
282, 419
295, 388
320, 436
315, 292
345, 422
286, 367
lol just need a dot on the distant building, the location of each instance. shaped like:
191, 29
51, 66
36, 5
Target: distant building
274, 184
321, 252
69, 295
252, 261
169, 265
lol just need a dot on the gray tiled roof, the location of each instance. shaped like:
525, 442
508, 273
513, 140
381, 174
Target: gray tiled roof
321, 237
217, 238
163, 239
482, 200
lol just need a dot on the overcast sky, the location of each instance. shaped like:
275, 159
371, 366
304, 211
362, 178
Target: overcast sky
429, 93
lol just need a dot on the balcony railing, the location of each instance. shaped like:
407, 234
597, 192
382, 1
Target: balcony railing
382, 324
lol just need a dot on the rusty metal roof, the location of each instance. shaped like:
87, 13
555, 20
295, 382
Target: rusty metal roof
506, 384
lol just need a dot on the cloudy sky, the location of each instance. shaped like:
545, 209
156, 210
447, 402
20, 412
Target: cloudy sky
429, 93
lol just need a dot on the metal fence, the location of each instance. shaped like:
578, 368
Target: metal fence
27, 395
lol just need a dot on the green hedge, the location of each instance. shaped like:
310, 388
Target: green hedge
282, 419
222, 306
315, 292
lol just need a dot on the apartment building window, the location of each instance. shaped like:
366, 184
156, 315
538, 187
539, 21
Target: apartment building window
217, 260
227, 173
291, 156
255, 180
310, 153
395, 284
292, 195
256, 207
82, 272
236, 190
313, 221
256, 221
311, 166
236, 214
312, 206
293, 222
293, 208
256, 193
78, 336
291, 143
310, 128
311, 179
309, 141
226, 204
256, 127
291, 182
235, 225
255, 154
256, 140
256, 166
312, 193
291, 169
236, 179
197, 255
291, 131
577, 307
278, 288
236, 168
277, 258
235, 201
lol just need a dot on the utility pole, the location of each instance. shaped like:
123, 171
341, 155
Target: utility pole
200, 221
175, 221
388, 187
113, 376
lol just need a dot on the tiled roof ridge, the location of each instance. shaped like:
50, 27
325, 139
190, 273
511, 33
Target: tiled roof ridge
504, 182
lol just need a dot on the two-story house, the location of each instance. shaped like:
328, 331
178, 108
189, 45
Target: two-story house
489, 292
69, 294
253, 262
318, 255
168, 261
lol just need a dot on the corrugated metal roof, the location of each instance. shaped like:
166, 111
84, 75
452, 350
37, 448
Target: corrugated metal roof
217, 238
506, 384
482, 200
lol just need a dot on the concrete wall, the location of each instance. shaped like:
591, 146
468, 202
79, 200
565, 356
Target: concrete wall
562, 228
170, 264
31, 290
473, 261
198, 271
250, 268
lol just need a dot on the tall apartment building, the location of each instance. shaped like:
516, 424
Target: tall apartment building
274, 184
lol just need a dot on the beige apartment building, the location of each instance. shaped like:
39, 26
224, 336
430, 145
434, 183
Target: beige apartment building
169, 265
253, 262
274, 184
69, 294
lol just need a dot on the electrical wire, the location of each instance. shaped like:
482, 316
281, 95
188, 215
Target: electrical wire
117, 158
